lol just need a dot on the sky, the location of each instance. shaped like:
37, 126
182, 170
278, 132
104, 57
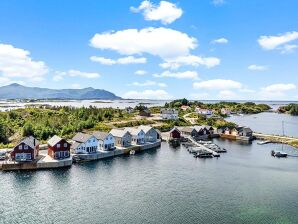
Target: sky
197, 49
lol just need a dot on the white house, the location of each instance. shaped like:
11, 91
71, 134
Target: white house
225, 111
84, 143
205, 112
106, 141
169, 114
122, 137
137, 135
151, 134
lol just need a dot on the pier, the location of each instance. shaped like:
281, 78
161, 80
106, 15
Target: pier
215, 154
277, 138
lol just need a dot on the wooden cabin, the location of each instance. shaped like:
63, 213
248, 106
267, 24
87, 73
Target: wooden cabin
58, 148
26, 150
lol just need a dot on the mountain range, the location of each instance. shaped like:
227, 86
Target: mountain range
17, 91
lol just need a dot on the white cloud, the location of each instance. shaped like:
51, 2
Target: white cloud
57, 78
88, 75
122, 61
217, 84
76, 86
149, 83
288, 48
257, 67
16, 62
218, 2
178, 75
162, 42
274, 42
148, 94
192, 60
102, 60
279, 87
244, 90
166, 12
140, 72
220, 41
199, 96
227, 95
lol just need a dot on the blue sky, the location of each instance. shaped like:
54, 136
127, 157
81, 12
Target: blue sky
206, 49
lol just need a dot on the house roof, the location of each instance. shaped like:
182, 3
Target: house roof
75, 145
188, 129
54, 140
145, 128
100, 135
118, 132
133, 131
169, 111
30, 141
175, 128
246, 129
81, 137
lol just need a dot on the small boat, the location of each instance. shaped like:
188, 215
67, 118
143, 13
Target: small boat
203, 154
278, 154
132, 152
264, 142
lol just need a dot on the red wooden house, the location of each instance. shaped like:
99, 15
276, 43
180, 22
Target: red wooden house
26, 150
58, 148
175, 133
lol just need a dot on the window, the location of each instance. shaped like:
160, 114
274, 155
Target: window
65, 145
58, 146
20, 147
25, 146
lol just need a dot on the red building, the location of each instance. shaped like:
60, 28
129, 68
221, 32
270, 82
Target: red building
175, 134
26, 150
58, 148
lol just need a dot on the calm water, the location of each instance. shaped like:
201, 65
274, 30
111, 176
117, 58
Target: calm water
245, 185
269, 123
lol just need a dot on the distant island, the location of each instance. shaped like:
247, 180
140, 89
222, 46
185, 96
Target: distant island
17, 91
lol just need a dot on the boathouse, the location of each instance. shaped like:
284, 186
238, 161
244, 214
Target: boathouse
84, 143
175, 133
58, 148
122, 137
137, 135
189, 131
26, 150
106, 141
151, 134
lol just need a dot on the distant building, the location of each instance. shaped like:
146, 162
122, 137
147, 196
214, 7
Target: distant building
128, 110
58, 148
84, 143
175, 133
169, 114
26, 150
137, 135
189, 131
205, 112
225, 111
238, 133
106, 141
122, 138
184, 107
145, 113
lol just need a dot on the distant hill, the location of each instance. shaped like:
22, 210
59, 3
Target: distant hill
17, 91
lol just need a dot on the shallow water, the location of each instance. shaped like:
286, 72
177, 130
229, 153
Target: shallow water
167, 185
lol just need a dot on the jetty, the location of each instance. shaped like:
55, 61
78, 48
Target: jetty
270, 138
215, 154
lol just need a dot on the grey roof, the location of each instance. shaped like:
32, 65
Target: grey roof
118, 132
81, 137
30, 141
188, 129
75, 145
54, 140
133, 131
174, 128
169, 111
100, 135
145, 128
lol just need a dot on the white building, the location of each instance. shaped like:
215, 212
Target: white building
225, 111
137, 135
169, 114
84, 143
106, 141
205, 112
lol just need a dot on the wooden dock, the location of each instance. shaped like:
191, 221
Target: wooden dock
215, 154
